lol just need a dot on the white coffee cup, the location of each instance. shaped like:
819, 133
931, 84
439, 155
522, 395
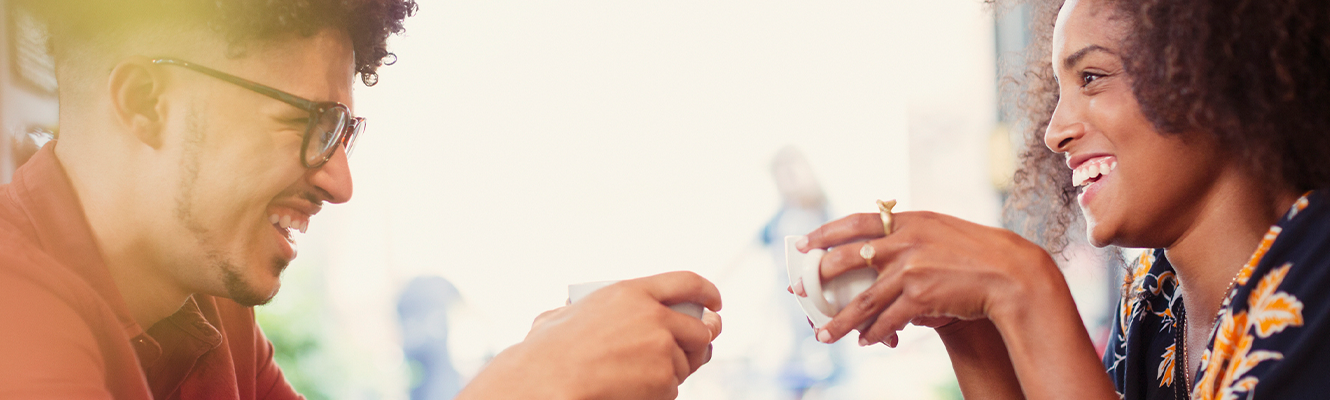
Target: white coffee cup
825, 299
581, 290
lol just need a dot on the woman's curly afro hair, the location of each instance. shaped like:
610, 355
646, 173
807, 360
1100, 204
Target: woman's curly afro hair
368, 22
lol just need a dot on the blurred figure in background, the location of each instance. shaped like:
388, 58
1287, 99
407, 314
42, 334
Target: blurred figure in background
803, 208
424, 308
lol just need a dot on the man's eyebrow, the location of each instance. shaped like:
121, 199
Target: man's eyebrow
1076, 57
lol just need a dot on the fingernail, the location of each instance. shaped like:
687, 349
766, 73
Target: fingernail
799, 288
863, 342
802, 244
789, 289
893, 341
823, 336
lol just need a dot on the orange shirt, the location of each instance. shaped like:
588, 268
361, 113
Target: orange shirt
65, 331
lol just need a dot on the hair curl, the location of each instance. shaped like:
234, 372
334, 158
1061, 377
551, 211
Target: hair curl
367, 22
1042, 198
1255, 74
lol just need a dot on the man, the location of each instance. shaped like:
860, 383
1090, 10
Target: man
195, 136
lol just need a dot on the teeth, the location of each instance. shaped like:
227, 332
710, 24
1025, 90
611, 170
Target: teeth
1080, 176
289, 222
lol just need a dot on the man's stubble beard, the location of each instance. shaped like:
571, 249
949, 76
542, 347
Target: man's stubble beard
237, 288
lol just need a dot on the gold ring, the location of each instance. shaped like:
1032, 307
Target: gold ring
884, 207
867, 252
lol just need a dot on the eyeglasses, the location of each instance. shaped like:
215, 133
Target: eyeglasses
330, 123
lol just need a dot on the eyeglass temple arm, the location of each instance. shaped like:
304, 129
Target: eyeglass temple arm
257, 87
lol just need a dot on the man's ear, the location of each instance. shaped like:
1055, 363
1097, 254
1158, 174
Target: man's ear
136, 96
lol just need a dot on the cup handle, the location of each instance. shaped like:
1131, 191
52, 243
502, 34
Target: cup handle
812, 278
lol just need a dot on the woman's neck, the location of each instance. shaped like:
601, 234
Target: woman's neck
1229, 224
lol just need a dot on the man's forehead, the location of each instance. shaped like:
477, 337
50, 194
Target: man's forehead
320, 66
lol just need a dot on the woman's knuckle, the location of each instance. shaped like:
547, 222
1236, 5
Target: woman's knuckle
868, 301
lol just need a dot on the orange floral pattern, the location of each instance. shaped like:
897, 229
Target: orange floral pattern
1255, 328
1230, 357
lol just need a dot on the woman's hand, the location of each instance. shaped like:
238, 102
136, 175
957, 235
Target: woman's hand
933, 269
999, 302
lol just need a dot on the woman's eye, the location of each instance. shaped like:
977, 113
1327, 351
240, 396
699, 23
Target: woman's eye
1088, 78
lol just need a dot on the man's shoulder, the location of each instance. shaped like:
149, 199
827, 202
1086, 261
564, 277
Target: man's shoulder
60, 335
25, 262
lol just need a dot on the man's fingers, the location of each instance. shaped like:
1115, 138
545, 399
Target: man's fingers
691, 334
682, 366
679, 287
693, 337
713, 323
852, 228
545, 316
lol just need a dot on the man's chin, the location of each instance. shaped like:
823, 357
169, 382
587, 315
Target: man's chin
257, 291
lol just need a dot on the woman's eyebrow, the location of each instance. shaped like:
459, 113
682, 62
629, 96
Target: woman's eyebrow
1076, 57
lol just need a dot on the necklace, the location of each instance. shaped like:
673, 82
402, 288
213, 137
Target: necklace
1183, 368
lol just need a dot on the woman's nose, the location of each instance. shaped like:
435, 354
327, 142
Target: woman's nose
1064, 127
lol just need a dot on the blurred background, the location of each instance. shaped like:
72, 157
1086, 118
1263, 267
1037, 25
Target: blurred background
518, 147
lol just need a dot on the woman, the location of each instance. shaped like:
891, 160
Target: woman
1196, 128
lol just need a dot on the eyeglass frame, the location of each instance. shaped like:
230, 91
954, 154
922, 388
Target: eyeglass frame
354, 126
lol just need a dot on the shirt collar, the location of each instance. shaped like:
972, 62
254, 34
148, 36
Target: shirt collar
48, 200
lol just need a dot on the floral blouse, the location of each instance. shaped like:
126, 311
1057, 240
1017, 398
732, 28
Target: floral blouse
1271, 338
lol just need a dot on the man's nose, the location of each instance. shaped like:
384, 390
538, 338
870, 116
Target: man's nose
334, 178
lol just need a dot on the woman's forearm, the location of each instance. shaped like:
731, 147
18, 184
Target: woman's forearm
980, 360
1048, 345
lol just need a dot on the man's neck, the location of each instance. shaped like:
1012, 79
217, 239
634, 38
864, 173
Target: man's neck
108, 203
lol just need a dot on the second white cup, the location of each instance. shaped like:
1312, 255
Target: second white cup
581, 290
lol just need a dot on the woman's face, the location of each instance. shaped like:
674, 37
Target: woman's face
1137, 187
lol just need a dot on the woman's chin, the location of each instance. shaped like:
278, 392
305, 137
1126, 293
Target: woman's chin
1097, 234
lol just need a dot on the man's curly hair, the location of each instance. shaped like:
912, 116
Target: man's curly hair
1255, 74
367, 22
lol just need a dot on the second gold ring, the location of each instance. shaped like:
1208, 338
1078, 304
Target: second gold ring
867, 252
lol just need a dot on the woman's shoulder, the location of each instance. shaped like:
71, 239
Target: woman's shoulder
1268, 338
1296, 251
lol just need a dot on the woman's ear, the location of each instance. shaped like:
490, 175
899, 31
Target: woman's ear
136, 85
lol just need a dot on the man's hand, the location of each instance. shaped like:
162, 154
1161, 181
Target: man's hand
620, 342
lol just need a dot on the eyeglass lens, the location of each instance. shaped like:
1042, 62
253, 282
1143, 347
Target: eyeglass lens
326, 133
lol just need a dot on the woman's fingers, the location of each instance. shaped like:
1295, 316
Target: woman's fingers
853, 228
892, 320
864, 307
848, 257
